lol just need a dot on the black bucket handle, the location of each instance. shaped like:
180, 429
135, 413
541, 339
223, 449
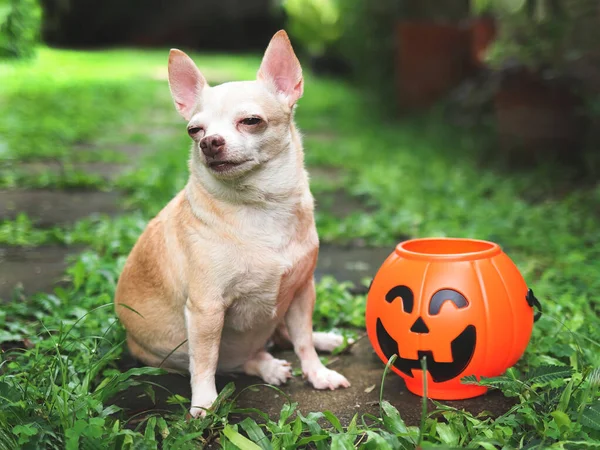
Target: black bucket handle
534, 302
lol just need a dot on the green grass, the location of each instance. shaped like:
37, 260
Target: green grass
422, 178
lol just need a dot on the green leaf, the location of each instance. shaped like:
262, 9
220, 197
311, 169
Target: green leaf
565, 397
594, 377
590, 417
334, 421
149, 390
24, 432
150, 433
545, 374
506, 384
469, 379
177, 400
342, 442
163, 427
562, 420
74, 433
286, 412
78, 273
352, 428
392, 420
237, 439
127, 441
27, 430
110, 410
255, 433
296, 429
447, 434
315, 429
581, 444
376, 441
95, 427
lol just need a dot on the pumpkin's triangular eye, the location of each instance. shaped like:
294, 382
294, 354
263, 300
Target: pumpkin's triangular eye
446, 295
405, 293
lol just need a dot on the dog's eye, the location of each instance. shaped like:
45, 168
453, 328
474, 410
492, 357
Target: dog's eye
251, 121
193, 131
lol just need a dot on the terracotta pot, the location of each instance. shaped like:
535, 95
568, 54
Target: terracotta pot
431, 59
460, 304
536, 118
483, 33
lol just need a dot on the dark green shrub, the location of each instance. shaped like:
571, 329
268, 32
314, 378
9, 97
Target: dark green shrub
20, 22
368, 43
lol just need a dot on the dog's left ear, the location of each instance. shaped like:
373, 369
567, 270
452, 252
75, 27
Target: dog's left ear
280, 67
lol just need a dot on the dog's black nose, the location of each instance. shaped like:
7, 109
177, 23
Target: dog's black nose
212, 145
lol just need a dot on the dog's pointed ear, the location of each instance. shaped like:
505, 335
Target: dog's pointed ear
185, 81
281, 69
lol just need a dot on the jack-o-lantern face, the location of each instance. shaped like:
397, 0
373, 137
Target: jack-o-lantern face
463, 346
460, 304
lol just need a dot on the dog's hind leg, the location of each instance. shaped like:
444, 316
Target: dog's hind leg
171, 364
272, 370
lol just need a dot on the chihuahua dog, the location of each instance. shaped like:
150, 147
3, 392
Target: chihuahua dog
229, 262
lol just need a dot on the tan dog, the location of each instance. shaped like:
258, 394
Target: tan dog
230, 260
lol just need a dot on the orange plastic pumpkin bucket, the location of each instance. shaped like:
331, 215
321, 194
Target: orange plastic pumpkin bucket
461, 304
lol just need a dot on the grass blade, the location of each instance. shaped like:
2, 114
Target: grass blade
237, 439
255, 433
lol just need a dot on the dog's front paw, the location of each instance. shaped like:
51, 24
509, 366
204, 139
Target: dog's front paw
201, 404
324, 378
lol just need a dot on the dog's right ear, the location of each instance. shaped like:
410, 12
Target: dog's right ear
280, 67
185, 81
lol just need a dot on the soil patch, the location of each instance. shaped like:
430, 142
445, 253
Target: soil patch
36, 269
340, 204
362, 368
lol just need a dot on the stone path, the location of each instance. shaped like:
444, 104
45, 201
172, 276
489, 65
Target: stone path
35, 269
38, 269
353, 264
48, 207
106, 170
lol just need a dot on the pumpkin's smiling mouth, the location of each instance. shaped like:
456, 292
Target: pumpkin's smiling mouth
463, 348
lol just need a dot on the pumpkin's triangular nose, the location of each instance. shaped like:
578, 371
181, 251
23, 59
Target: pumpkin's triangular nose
419, 327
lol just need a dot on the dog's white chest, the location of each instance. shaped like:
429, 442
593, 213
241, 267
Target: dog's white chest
259, 290
259, 295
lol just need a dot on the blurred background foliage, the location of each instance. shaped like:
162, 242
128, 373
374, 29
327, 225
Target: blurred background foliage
20, 22
411, 54
485, 62
525, 72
